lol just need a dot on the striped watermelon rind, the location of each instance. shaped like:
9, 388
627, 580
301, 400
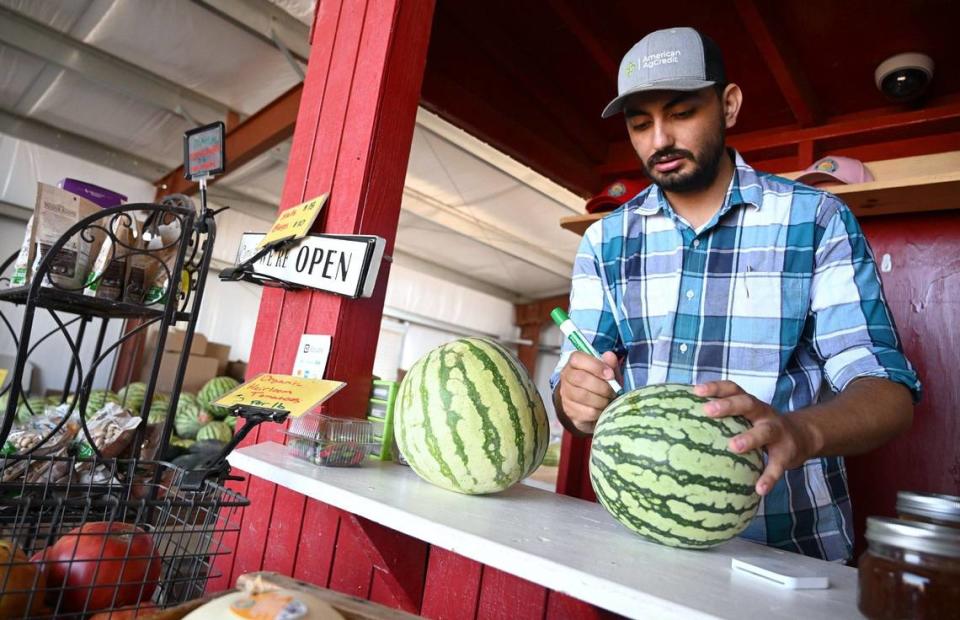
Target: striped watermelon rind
189, 420
215, 430
662, 467
98, 400
131, 396
469, 419
212, 390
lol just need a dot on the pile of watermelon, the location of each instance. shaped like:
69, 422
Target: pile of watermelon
196, 418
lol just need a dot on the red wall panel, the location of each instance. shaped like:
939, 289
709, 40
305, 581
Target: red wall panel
923, 290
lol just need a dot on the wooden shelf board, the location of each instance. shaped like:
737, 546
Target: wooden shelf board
916, 194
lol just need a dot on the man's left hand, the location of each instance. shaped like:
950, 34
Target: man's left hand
787, 440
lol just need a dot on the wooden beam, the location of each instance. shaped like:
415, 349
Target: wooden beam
782, 64
567, 119
353, 134
270, 126
450, 100
623, 159
538, 312
587, 38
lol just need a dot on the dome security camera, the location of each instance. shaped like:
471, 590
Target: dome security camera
904, 77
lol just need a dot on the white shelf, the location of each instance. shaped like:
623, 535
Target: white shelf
565, 544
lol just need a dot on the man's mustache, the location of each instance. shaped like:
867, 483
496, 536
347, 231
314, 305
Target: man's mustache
660, 156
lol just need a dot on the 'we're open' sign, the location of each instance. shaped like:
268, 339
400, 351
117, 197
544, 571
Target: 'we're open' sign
343, 264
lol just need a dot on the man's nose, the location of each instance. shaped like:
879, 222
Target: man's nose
662, 137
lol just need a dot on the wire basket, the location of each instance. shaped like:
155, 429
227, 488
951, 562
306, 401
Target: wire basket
87, 536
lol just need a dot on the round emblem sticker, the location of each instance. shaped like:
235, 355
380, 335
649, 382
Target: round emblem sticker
827, 165
616, 190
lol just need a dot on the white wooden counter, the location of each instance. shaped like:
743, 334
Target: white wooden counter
565, 544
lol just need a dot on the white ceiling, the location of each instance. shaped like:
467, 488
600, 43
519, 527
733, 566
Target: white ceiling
466, 208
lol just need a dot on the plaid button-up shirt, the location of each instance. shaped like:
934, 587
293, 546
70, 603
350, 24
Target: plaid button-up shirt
777, 292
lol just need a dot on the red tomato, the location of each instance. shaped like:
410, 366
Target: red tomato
98, 560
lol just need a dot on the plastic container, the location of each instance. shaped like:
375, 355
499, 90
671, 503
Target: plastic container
929, 508
332, 442
910, 570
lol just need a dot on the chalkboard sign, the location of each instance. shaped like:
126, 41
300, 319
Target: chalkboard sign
203, 151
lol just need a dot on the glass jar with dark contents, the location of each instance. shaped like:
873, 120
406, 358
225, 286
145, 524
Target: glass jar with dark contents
911, 570
929, 508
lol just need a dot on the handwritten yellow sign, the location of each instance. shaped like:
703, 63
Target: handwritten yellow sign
3, 376
281, 392
295, 222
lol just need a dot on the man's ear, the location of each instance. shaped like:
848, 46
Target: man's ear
732, 100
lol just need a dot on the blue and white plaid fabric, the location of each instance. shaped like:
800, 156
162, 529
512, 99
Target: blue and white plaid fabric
776, 292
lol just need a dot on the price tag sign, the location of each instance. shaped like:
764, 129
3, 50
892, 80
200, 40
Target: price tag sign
203, 151
296, 395
295, 222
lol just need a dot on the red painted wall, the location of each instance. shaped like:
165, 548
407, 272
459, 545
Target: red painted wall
923, 291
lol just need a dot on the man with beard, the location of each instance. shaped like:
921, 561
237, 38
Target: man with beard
750, 287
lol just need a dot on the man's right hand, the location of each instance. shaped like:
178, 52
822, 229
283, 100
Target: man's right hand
584, 392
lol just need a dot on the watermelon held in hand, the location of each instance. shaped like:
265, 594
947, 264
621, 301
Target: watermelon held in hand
469, 419
662, 467
212, 391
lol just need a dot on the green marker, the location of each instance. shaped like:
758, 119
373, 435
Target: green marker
571, 331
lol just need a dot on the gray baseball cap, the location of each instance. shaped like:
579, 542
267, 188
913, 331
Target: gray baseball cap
672, 59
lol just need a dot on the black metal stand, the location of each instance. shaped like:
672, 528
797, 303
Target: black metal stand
217, 468
244, 271
189, 251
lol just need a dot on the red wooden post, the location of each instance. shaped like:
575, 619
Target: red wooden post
352, 139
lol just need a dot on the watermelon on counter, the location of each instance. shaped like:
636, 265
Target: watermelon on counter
662, 467
212, 390
469, 419
216, 430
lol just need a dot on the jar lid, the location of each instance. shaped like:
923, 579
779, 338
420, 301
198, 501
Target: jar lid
914, 536
930, 505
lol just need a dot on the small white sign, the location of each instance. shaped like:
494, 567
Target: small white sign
312, 356
343, 264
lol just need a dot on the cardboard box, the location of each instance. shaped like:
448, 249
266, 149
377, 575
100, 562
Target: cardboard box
222, 353
237, 370
200, 369
175, 340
